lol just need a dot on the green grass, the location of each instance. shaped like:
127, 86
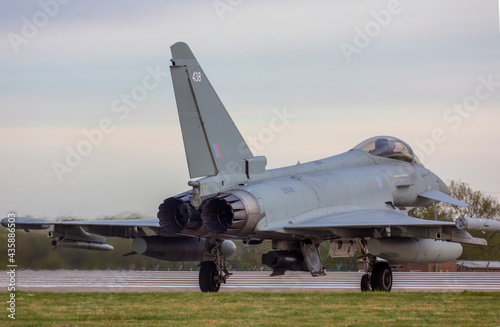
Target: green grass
254, 309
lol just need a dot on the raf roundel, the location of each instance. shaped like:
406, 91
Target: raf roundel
379, 181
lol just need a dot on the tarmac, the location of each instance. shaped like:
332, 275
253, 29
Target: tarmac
240, 281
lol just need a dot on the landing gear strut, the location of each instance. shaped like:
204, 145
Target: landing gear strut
213, 271
378, 275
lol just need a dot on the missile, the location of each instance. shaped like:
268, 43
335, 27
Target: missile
82, 245
482, 224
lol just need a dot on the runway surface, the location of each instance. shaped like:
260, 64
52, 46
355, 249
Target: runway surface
187, 281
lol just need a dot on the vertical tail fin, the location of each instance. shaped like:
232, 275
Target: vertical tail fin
212, 142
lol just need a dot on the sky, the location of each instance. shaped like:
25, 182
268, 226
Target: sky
342, 71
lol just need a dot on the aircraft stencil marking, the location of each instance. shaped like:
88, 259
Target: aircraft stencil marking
197, 76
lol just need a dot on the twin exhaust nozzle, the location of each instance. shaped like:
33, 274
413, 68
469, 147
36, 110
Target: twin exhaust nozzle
230, 212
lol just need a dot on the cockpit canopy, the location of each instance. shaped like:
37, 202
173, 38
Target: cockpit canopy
388, 147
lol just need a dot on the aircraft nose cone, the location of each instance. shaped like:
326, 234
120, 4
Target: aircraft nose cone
442, 186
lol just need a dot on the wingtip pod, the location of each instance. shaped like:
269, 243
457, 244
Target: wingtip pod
481, 224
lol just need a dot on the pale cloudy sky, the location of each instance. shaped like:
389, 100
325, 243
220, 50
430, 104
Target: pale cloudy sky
347, 70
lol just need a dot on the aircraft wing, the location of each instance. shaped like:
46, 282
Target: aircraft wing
364, 222
28, 223
78, 234
365, 218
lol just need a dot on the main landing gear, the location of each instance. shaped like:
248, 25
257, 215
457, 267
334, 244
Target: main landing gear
378, 275
213, 271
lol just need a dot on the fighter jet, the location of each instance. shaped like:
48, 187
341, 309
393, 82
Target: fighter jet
357, 199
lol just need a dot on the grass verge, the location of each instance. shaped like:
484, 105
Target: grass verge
254, 309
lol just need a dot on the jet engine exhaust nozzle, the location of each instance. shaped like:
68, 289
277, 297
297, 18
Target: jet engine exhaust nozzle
177, 214
234, 212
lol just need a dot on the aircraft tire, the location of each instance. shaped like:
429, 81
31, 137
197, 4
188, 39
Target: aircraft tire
208, 277
365, 285
381, 279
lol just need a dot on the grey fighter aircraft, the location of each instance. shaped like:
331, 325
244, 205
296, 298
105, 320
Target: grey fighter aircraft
357, 198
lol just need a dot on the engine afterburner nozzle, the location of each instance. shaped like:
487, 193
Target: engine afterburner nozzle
177, 214
234, 212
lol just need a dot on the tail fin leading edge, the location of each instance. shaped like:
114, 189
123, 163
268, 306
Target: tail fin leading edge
212, 142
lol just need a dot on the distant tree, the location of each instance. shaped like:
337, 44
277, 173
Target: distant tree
480, 206
248, 257
66, 218
338, 264
429, 213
